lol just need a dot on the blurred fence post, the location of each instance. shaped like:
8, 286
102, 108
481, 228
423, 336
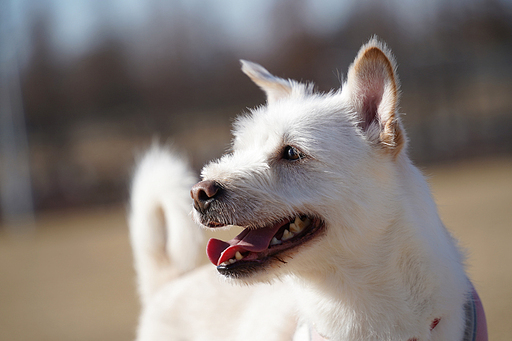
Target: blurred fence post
16, 203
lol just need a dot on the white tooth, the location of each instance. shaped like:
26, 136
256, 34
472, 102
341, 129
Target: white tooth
275, 241
301, 224
232, 260
294, 228
224, 263
286, 235
238, 255
234, 226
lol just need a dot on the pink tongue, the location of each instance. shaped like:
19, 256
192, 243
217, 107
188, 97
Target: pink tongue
258, 240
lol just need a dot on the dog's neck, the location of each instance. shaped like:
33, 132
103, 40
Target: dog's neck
376, 293
360, 295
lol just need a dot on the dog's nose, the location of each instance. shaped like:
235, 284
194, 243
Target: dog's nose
204, 193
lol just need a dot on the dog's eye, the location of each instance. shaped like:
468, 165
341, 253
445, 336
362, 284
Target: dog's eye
292, 154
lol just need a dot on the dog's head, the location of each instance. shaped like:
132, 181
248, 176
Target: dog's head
308, 175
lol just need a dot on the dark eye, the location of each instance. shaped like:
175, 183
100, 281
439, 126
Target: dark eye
292, 154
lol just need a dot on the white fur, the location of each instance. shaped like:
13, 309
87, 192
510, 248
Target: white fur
385, 266
160, 198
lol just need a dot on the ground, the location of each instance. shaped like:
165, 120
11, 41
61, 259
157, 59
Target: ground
72, 278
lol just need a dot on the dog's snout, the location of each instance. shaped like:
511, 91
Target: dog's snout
204, 193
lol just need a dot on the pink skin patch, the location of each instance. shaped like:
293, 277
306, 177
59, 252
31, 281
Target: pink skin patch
248, 240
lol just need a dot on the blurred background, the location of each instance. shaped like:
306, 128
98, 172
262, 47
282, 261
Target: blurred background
87, 85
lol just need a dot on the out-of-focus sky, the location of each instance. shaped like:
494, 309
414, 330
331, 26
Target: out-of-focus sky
77, 24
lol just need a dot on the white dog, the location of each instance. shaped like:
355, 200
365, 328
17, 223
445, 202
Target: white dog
341, 241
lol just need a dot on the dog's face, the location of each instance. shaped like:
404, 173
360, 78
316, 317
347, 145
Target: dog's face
302, 171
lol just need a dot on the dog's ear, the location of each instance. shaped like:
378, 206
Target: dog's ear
374, 92
274, 87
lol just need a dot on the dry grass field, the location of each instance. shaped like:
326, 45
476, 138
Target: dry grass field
72, 279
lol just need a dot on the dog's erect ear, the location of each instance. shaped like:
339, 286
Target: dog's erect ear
374, 90
274, 87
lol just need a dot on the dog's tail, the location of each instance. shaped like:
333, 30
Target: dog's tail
165, 240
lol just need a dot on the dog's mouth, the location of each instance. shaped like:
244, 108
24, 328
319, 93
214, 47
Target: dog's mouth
253, 248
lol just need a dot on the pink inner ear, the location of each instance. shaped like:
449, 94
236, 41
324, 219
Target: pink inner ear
373, 81
372, 90
369, 112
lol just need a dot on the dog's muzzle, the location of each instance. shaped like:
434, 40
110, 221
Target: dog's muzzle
261, 243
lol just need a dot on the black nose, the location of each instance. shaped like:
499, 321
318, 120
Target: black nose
204, 193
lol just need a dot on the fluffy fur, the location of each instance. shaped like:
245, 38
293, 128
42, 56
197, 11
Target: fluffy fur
382, 268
